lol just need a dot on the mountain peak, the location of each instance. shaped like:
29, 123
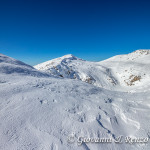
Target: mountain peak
54, 62
68, 56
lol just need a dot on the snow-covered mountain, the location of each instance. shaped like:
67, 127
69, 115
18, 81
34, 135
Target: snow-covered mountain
40, 112
132, 71
119, 72
72, 67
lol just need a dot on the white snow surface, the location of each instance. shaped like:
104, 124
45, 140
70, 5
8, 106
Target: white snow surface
40, 110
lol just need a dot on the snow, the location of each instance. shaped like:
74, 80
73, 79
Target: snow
9, 65
76, 68
39, 110
126, 67
123, 72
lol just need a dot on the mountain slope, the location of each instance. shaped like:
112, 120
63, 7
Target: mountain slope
72, 67
132, 71
123, 72
42, 113
136, 56
9, 65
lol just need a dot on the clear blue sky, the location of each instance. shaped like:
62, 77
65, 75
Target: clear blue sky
38, 30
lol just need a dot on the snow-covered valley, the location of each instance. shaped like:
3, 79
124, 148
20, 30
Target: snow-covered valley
70, 97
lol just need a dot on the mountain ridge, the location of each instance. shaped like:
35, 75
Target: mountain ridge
104, 73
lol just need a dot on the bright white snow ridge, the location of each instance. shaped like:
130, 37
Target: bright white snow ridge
71, 104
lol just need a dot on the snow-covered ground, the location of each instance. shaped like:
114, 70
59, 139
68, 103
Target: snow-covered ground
71, 100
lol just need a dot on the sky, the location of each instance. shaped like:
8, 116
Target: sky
35, 31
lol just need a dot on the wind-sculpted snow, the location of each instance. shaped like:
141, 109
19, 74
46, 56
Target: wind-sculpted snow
40, 113
47, 113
